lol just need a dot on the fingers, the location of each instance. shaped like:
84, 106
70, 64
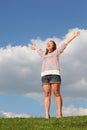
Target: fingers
78, 33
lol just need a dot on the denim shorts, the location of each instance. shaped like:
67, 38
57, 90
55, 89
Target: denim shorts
51, 79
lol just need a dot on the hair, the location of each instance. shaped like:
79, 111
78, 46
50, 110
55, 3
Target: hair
53, 49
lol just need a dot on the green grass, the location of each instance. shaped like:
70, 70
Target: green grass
65, 123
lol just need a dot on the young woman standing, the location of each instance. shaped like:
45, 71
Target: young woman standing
50, 74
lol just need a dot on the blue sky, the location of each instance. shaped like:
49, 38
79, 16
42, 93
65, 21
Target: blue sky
23, 22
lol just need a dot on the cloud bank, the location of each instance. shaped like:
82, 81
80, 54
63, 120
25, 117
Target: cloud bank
20, 71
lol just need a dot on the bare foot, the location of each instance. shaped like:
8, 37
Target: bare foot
48, 116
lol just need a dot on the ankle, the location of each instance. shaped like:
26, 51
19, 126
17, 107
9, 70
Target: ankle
60, 115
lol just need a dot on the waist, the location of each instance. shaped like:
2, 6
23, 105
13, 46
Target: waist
50, 72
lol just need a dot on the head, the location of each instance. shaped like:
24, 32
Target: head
51, 46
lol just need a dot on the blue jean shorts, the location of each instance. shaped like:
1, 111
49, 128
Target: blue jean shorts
51, 79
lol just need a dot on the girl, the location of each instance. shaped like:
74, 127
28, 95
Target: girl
50, 74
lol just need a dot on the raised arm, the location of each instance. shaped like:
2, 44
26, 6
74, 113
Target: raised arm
62, 47
39, 51
72, 37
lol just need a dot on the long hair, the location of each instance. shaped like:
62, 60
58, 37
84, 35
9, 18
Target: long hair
53, 49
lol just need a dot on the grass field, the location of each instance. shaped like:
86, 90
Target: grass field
65, 123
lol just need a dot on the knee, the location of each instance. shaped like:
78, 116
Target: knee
47, 94
56, 93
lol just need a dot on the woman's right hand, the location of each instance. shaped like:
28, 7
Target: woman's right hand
34, 47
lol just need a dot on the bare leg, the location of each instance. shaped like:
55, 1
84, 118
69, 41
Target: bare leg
47, 99
56, 91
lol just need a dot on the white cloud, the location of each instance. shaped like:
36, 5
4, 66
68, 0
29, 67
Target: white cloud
72, 111
35, 96
13, 115
20, 68
75, 91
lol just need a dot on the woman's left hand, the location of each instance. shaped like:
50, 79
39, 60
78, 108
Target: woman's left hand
76, 33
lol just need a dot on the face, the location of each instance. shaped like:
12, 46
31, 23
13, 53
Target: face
49, 46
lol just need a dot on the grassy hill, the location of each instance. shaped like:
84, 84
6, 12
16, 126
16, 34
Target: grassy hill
65, 123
